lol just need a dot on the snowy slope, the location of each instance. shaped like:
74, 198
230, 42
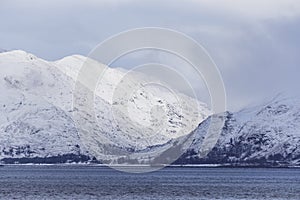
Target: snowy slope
36, 114
137, 117
268, 134
34, 111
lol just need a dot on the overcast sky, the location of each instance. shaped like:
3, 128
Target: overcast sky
254, 43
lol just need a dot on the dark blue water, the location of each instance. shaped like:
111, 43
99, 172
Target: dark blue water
94, 182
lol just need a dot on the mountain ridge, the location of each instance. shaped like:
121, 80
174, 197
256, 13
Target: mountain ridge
37, 125
266, 135
37, 113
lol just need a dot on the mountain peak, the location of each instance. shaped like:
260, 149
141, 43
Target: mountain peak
17, 55
74, 57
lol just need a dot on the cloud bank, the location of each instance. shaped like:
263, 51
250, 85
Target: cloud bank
254, 43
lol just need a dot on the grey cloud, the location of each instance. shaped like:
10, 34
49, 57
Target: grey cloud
255, 45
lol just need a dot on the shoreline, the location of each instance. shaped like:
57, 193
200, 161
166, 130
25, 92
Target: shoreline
162, 166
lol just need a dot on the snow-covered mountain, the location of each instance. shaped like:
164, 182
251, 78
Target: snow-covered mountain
37, 119
267, 134
36, 113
